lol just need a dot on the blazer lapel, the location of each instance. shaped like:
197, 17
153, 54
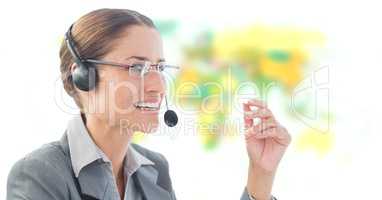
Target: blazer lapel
147, 177
92, 181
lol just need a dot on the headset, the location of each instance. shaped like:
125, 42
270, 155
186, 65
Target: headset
85, 74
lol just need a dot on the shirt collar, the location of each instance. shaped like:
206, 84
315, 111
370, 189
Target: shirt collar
84, 151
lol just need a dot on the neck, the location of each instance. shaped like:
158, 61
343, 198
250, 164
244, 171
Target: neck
110, 140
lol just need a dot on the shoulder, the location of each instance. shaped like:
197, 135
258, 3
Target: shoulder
41, 170
47, 156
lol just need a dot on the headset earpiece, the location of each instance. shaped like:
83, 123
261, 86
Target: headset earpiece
84, 77
85, 74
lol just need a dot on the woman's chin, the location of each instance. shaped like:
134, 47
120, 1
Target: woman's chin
150, 127
149, 130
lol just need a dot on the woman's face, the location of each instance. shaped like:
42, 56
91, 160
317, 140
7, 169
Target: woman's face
120, 95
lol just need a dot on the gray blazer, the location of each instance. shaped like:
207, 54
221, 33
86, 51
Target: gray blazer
46, 174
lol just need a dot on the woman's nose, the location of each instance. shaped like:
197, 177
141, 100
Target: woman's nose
154, 82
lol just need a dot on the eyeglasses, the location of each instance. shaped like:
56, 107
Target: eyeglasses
137, 69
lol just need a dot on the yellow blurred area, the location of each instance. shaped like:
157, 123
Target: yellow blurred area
189, 74
138, 137
229, 44
289, 73
279, 53
209, 126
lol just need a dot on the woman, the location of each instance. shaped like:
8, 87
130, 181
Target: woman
111, 64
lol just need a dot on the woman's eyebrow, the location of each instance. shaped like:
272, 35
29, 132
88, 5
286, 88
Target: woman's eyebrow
144, 58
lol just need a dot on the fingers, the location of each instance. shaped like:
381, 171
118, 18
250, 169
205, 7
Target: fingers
248, 121
277, 132
257, 103
267, 133
268, 126
260, 128
260, 113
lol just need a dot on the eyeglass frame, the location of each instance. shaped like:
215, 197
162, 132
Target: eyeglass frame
128, 66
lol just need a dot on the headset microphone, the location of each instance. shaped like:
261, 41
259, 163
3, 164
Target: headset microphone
170, 117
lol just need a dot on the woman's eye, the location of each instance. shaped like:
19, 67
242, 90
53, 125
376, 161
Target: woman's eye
161, 67
137, 67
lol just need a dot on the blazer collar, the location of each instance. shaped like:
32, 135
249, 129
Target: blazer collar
84, 151
93, 183
92, 180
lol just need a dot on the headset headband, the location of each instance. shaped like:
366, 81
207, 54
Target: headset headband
70, 44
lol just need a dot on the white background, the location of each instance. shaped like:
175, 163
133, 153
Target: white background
29, 73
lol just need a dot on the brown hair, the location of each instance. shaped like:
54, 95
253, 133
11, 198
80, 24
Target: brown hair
93, 34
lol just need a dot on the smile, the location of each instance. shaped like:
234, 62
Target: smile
154, 106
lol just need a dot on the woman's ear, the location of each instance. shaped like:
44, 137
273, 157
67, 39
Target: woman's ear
73, 67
